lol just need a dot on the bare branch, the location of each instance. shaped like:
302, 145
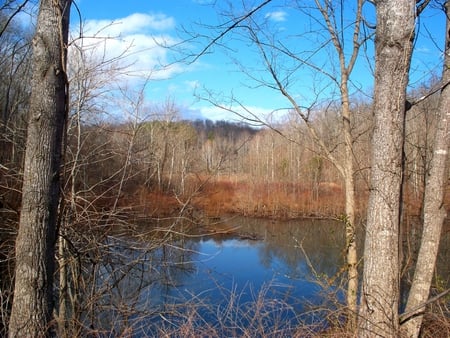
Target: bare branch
421, 6
235, 24
405, 316
11, 17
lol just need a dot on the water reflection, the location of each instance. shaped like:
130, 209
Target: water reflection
215, 276
139, 285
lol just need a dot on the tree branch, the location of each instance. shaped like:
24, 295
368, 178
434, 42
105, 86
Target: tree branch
229, 29
17, 11
404, 317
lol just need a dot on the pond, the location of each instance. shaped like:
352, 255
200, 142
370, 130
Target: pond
240, 274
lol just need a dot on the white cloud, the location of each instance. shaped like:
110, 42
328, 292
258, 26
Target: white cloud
134, 23
278, 16
138, 40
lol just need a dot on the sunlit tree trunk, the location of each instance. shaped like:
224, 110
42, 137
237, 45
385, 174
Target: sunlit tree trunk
350, 231
434, 210
380, 285
35, 245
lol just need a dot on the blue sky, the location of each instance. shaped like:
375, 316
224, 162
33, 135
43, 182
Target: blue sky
137, 25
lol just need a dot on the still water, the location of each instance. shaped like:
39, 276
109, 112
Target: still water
228, 276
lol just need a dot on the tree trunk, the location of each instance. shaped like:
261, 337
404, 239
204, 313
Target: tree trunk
35, 245
63, 312
434, 210
350, 237
346, 169
380, 285
349, 221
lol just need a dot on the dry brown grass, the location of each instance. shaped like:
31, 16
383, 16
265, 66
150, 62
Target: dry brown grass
215, 197
277, 199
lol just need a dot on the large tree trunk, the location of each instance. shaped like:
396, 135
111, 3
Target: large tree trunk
434, 210
380, 285
35, 245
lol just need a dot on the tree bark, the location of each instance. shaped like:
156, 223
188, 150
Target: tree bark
434, 209
350, 230
380, 285
35, 245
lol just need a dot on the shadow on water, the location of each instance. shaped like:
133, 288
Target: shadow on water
236, 274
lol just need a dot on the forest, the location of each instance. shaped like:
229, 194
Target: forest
221, 167
81, 161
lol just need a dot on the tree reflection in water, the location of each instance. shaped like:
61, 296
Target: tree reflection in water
226, 282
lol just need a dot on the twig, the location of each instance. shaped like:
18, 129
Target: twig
229, 29
405, 316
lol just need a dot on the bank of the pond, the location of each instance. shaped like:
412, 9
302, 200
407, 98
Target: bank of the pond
271, 200
276, 200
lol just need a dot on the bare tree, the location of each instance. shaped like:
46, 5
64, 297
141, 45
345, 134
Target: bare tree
380, 286
13, 7
35, 245
434, 209
281, 62
14, 90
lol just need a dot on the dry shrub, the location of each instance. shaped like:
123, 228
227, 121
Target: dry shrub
435, 325
216, 197
262, 316
219, 195
152, 203
288, 200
